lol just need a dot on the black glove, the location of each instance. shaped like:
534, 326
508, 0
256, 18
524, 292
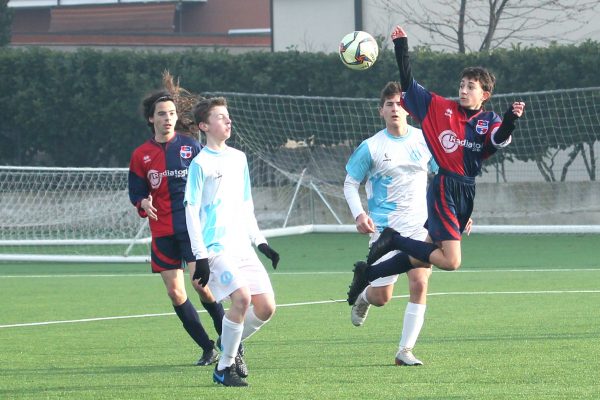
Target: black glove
510, 115
202, 272
270, 253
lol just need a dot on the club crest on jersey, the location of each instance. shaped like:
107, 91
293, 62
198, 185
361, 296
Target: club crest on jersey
154, 178
185, 152
482, 126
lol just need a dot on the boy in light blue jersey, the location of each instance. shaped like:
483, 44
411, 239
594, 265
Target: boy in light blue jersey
223, 229
394, 164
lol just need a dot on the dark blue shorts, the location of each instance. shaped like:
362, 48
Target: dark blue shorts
450, 200
168, 252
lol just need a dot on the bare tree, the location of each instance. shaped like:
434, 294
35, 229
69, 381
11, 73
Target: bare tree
483, 25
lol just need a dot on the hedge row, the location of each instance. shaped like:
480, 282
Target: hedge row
82, 108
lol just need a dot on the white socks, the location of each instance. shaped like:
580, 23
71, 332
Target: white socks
414, 316
251, 323
230, 341
363, 295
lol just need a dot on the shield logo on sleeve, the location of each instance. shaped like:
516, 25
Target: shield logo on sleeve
185, 152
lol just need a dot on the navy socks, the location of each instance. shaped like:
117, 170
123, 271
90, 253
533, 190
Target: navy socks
416, 248
216, 312
398, 264
191, 322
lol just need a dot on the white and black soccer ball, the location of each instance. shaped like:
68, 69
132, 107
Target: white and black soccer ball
358, 50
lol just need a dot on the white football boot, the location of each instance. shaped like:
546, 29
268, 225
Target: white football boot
405, 357
359, 312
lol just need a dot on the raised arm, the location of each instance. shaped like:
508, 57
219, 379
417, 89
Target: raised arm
514, 112
400, 40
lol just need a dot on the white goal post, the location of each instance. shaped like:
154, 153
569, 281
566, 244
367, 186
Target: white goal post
69, 214
297, 147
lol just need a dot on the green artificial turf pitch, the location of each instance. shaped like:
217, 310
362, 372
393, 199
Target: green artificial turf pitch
519, 320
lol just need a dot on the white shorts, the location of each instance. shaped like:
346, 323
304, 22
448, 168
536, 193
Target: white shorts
229, 272
420, 234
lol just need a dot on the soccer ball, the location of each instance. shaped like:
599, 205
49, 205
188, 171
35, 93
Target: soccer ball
358, 50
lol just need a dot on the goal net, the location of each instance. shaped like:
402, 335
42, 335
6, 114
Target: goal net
297, 148
545, 181
69, 214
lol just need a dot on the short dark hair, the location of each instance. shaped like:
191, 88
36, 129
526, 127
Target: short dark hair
149, 104
486, 79
203, 108
389, 90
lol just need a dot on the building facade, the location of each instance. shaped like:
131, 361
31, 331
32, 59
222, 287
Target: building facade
150, 24
251, 25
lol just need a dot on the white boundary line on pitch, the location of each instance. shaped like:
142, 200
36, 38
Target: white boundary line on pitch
304, 273
308, 303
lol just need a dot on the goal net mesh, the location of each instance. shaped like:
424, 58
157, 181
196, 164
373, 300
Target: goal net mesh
297, 148
547, 176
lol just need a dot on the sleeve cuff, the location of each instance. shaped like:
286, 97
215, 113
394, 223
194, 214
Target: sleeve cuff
141, 212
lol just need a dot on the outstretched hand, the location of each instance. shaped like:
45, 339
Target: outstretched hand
398, 32
202, 272
270, 253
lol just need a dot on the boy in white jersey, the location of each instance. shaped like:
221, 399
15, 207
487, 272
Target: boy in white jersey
394, 164
222, 228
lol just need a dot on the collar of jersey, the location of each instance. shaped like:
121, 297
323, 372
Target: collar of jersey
175, 136
214, 152
397, 138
